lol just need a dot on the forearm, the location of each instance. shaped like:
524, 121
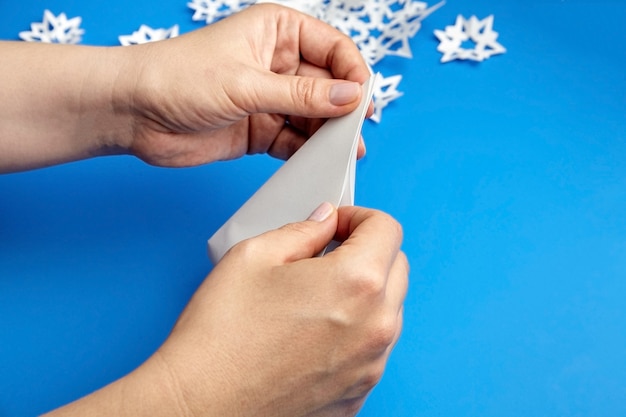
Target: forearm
148, 391
60, 103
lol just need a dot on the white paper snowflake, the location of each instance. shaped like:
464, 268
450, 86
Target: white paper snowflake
385, 91
212, 10
54, 29
479, 33
147, 34
379, 28
312, 8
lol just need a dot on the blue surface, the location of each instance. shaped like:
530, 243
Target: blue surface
508, 176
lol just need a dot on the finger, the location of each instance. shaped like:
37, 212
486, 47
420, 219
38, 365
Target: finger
306, 125
397, 283
326, 47
296, 241
397, 286
307, 69
287, 142
370, 110
399, 325
392, 304
361, 150
370, 237
310, 126
304, 96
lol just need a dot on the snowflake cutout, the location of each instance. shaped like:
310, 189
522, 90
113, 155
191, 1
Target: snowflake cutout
379, 27
147, 34
385, 91
214, 10
480, 32
54, 29
312, 8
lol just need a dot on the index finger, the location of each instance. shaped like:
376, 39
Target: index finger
324, 46
369, 236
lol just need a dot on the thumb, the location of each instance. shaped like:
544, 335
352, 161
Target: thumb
310, 97
302, 240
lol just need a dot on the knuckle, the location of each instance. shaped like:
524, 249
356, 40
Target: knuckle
373, 376
299, 228
302, 234
382, 333
249, 249
388, 223
404, 261
368, 377
353, 406
393, 225
304, 92
367, 282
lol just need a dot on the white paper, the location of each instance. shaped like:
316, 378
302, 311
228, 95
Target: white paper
479, 32
323, 169
146, 34
385, 91
213, 10
54, 29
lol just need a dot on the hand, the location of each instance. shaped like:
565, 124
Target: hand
274, 331
262, 80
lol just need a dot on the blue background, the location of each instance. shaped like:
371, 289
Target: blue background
508, 177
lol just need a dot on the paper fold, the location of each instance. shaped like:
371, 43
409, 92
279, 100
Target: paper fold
323, 169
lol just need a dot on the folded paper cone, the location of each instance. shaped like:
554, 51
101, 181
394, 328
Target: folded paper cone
323, 169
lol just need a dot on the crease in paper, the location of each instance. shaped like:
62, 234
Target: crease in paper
323, 169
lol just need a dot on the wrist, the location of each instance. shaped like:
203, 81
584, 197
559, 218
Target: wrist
61, 104
106, 116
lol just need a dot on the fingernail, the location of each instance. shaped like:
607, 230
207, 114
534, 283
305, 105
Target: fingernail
344, 92
322, 212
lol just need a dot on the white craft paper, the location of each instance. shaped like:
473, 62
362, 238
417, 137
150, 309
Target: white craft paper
213, 10
480, 32
54, 29
323, 169
385, 91
146, 34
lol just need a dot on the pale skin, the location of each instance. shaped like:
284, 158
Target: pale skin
273, 330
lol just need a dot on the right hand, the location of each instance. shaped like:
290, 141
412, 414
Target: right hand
275, 331
260, 81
